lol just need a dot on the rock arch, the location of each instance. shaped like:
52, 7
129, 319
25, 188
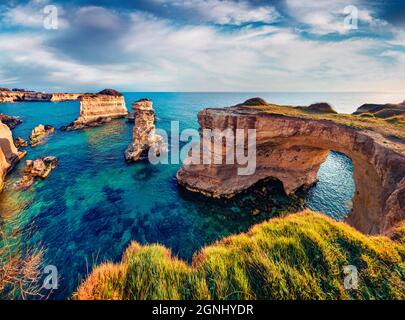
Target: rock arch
292, 148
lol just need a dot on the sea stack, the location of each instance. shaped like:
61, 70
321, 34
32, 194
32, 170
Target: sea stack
144, 136
96, 109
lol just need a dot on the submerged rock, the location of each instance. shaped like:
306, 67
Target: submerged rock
34, 169
144, 136
39, 133
10, 121
20, 142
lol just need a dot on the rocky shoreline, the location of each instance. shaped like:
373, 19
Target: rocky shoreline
21, 95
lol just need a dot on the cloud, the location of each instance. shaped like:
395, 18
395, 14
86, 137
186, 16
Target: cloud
225, 12
137, 51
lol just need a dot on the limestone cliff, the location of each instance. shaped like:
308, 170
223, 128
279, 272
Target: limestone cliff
96, 109
59, 97
144, 136
8, 96
292, 144
9, 154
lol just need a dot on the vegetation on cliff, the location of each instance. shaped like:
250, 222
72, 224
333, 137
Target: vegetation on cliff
301, 256
385, 121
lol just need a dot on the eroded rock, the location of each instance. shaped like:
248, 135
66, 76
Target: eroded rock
144, 136
36, 169
39, 134
291, 149
20, 142
9, 154
97, 109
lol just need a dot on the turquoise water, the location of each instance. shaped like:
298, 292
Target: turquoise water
93, 204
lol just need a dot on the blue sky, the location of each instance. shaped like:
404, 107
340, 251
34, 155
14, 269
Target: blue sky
211, 45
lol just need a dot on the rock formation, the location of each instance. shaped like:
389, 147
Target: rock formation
34, 169
39, 134
20, 142
9, 154
96, 109
144, 136
10, 121
291, 147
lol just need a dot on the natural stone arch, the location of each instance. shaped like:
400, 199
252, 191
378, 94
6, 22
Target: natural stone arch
292, 148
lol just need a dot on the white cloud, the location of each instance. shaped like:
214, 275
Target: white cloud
160, 54
225, 11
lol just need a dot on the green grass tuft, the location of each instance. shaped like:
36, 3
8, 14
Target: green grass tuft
301, 256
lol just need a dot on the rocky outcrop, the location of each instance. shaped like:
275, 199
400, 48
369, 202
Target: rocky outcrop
10, 121
382, 110
36, 169
320, 107
9, 154
144, 136
20, 142
291, 148
96, 109
39, 134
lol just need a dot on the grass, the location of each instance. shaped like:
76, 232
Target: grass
301, 256
392, 126
20, 267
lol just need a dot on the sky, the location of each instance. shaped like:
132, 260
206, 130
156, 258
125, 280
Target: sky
203, 45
